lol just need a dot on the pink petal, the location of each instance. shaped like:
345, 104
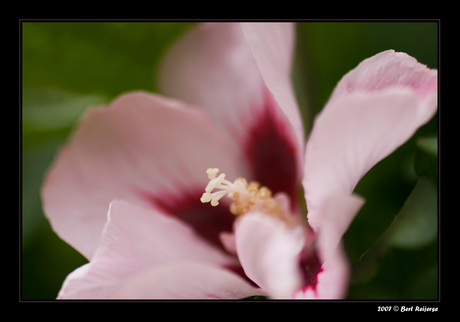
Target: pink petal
216, 67
186, 280
332, 220
374, 109
228, 240
269, 251
273, 45
143, 148
136, 239
212, 67
389, 69
351, 135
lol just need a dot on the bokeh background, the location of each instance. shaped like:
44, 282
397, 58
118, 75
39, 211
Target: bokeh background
67, 67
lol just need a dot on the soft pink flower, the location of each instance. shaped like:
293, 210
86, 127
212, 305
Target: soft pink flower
125, 191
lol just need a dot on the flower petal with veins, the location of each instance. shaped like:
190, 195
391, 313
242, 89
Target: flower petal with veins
136, 239
374, 109
141, 144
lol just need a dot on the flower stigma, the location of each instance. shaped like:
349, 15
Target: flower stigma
246, 196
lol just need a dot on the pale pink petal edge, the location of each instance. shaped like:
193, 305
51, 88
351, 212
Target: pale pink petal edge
186, 280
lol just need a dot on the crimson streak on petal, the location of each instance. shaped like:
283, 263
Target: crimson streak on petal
207, 221
271, 151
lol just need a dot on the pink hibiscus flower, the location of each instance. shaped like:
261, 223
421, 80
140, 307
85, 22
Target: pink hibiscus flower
127, 190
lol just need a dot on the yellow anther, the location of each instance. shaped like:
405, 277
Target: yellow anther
264, 193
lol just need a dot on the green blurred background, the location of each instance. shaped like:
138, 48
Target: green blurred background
68, 67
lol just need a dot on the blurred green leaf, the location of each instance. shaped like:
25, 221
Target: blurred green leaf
94, 57
425, 285
51, 109
426, 158
367, 266
429, 145
416, 225
37, 159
